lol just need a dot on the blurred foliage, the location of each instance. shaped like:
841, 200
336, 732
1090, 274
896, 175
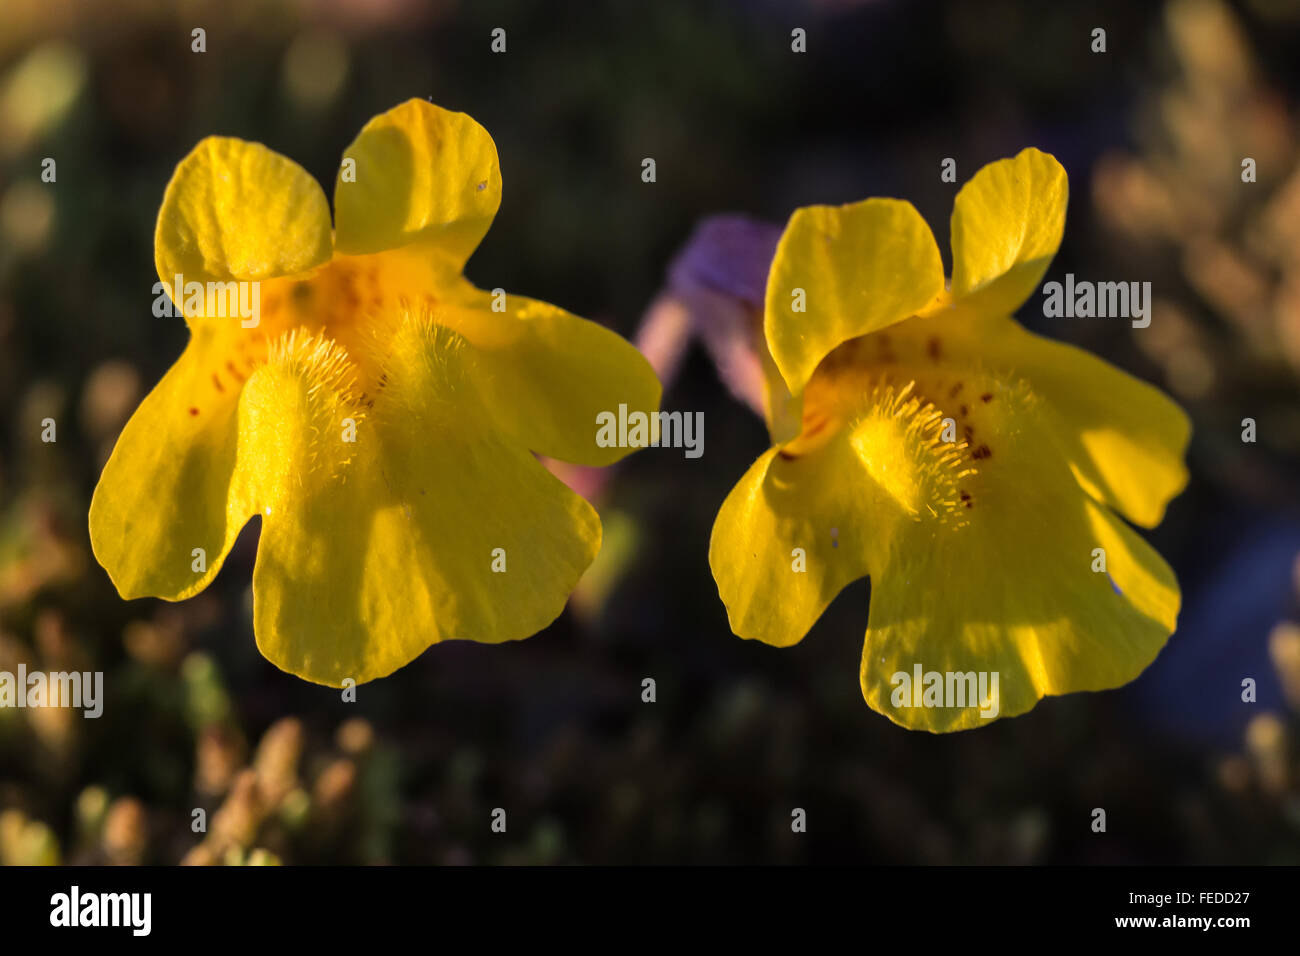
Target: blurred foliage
553, 729
1224, 253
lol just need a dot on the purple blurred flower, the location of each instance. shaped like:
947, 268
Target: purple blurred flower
715, 290
730, 255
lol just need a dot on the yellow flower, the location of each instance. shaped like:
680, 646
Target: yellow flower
982, 550
378, 411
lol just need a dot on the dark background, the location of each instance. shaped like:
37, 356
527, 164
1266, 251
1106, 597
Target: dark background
553, 729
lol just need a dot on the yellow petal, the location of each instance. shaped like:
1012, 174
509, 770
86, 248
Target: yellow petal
1007, 224
782, 410
238, 211
860, 268
774, 557
1006, 583
424, 174
166, 488
547, 374
1125, 439
373, 550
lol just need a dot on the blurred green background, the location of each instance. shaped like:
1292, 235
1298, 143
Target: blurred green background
553, 729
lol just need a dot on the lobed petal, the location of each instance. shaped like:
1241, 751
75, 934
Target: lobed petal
371, 552
782, 504
166, 489
547, 374
422, 174
861, 267
235, 210
1125, 440
1007, 223
1008, 585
